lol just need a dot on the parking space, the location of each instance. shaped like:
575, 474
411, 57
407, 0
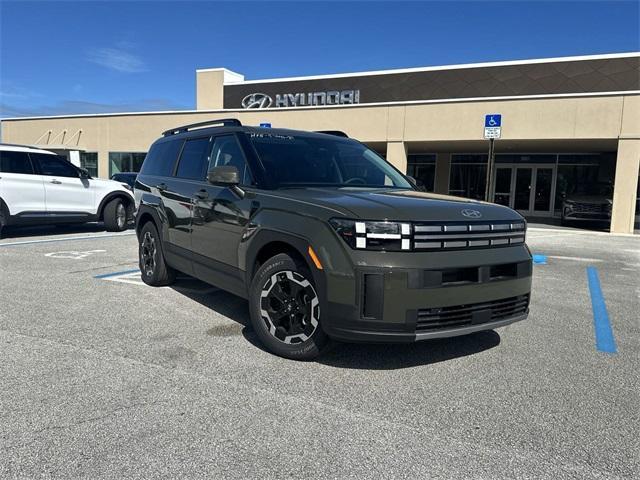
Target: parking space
104, 376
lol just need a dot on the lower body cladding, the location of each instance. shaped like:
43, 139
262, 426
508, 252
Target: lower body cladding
396, 304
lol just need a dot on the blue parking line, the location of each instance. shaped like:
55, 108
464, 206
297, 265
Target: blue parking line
115, 274
605, 342
66, 239
539, 259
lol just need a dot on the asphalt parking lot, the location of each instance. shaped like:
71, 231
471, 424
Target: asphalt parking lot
105, 377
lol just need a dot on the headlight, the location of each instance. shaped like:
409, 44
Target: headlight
366, 235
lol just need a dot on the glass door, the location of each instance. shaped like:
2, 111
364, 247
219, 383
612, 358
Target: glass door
543, 188
527, 189
502, 186
523, 189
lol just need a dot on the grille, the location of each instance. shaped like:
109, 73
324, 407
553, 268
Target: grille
589, 208
473, 314
467, 235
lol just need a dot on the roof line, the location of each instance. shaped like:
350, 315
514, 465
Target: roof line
442, 67
320, 107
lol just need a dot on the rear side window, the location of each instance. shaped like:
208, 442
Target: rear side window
161, 158
15, 162
53, 165
194, 159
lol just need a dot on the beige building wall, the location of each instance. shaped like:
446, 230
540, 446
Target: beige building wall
551, 121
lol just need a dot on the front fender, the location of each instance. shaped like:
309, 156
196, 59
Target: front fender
337, 277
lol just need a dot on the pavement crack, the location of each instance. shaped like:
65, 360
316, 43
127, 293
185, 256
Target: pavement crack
83, 421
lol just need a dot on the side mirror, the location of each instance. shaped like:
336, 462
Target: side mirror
84, 173
416, 183
225, 175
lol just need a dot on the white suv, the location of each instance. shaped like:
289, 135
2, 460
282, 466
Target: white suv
39, 187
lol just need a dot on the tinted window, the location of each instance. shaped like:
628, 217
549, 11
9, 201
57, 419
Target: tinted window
128, 178
89, 161
193, 159
227, 152
161, 158
54, 165
15, 162
323, 161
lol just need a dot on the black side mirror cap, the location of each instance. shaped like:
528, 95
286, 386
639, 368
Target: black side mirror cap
224, 175
84, 173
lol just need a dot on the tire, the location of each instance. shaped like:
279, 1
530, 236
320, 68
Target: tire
283, 286
115, 216
153, 267
4, 217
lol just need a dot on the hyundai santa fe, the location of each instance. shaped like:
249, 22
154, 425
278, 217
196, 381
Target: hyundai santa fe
325, 239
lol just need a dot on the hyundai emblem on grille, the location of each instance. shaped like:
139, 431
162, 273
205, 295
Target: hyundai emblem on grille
471, 213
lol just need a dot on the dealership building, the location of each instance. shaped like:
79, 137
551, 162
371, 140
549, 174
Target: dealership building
570, 127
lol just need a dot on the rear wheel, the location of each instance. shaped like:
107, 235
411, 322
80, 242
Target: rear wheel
285, 309
115, 215
4, 217
153, 268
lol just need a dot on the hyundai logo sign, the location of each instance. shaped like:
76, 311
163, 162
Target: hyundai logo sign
284, 100
257, 100
471, 213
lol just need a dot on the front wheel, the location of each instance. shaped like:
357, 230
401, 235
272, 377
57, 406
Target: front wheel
115, 215
285, 309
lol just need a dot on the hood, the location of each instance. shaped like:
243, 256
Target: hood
110, 184
405, 205
599, 199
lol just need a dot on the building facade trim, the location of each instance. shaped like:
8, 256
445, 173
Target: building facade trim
322, 107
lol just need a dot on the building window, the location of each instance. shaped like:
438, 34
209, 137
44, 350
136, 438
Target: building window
89, 161
468, 176
584, 175
125, 161
422, 167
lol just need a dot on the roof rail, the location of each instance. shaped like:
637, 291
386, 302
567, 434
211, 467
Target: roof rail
225, 122
336, 133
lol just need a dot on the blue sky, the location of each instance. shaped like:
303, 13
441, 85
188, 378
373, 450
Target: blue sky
92, 57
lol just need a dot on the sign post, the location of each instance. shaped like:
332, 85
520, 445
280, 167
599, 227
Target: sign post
492, 130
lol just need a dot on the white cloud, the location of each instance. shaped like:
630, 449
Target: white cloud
70, 107
117, 59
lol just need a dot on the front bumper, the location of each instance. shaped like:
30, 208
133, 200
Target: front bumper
440, 295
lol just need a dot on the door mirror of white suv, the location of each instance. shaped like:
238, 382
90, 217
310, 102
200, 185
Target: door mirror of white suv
84, 173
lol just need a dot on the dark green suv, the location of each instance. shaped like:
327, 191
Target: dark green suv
325, 238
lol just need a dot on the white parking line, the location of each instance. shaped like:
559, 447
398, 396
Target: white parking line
580, 232
67, 239
576, 259
133, 278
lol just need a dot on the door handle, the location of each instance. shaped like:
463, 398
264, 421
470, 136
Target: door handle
202, 194
56, 182
162, 187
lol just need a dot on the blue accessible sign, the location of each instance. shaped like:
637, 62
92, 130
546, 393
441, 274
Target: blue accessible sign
492, 125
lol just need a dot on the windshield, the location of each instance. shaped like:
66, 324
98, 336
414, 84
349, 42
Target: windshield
301, 161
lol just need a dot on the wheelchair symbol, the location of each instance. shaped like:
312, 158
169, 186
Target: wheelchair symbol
492, 122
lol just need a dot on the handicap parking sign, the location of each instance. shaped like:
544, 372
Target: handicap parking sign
492, 125
493, 120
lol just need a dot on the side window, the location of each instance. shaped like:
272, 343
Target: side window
15, 162
193, 159
54, 166
227, 152
161, 158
